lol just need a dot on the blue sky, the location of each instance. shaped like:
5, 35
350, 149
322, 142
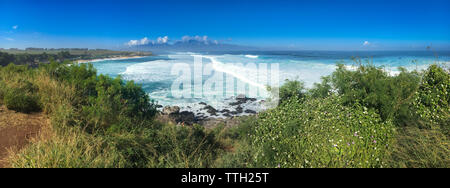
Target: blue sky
303, 25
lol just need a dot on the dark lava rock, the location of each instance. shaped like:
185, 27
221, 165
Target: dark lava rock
227, 114
241, 96
159, 106
239, 109
184, 117
225, 111
202, 103
242, 99
171, 110
250, 111
235, 103
210, 110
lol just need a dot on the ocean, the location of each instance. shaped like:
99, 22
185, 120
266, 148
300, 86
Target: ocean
157, 74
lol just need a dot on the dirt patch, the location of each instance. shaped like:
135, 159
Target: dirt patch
17, 129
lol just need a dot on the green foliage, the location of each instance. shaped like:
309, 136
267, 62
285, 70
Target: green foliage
6, 59
21, 101
289, 90
19, 94
420, 148
2, 91
241, 152
71, 149
322, 90
31, 59
432, 99
318, 133
36, 56
102, 102
184, 147
374, 88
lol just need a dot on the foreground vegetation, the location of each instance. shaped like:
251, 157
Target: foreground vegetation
354, 118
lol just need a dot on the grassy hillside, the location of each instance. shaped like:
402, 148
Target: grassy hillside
354, 118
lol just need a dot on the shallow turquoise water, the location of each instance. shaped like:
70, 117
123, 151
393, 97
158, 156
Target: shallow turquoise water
156, 76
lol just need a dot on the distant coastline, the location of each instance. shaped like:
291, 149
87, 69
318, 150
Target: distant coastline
109, 58
35, 56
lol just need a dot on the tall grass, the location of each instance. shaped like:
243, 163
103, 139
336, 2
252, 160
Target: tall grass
420, 148
71, 149
98, 121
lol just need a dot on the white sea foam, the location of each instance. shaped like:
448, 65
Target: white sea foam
157, 73
252, 56
244, 74
107, 59
150, 71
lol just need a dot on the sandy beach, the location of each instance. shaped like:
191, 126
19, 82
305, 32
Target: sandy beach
110, 59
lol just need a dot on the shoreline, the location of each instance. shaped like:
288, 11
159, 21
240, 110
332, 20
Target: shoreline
109, 59
210, 117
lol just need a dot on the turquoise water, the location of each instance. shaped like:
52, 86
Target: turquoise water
155, 72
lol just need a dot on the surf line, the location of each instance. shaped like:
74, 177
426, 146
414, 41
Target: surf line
219, 66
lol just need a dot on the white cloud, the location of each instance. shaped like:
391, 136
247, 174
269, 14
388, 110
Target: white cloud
186, 38
133, 43
366, 43
15, 27
204, 39
163, 40
144, 41
9, 39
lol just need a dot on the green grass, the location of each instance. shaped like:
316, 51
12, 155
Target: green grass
420, 148
71, 149
98, 121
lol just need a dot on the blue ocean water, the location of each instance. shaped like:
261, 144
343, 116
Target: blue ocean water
155, 73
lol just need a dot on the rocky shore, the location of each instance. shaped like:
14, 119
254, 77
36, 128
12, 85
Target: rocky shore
208, 116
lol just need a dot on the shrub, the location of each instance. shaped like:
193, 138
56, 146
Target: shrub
22, 99
2, 91
432, 99
323, 89
17, 101
289, 90
320, 133
102, 102
184, 147
374, 88
292, 89
116, 104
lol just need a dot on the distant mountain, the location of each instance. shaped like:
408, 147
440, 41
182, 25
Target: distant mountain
190, 46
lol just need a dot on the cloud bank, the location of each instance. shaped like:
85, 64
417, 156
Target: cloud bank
145, 41
165, 40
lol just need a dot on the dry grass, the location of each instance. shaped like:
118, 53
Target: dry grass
421, 148
17, 130
72, 149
